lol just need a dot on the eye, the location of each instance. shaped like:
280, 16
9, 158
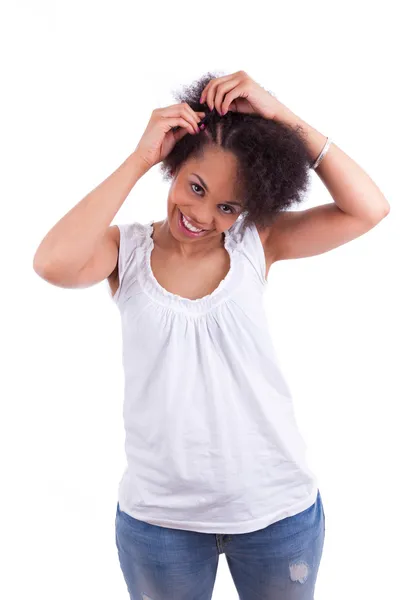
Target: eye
232, 211
197, 185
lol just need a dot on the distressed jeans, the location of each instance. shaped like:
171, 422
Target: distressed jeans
279, 562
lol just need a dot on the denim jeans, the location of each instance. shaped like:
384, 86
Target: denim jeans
279, 562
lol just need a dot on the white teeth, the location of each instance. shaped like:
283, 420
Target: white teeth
189, 226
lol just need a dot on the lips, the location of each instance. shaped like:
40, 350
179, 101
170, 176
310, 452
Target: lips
187, 232
193, 222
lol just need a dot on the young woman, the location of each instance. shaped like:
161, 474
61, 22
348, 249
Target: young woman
215, 462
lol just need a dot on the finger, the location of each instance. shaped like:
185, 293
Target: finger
175, 122
185, 116
186, 112
207, 95
234, 107
193, 116
221, 90
203, 96
179, 134
182, 110
228, 101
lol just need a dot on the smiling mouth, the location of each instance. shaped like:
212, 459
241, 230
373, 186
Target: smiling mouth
188, 225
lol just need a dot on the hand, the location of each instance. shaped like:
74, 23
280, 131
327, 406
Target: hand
239, 93
165, 128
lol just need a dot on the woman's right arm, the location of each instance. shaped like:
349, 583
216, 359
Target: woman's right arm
82, 248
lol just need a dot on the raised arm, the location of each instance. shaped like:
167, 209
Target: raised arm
82, 247
358, 205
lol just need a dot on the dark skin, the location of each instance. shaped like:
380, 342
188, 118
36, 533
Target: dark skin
211, 209
194, 267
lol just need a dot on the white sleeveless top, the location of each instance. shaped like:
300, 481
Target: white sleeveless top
212, 443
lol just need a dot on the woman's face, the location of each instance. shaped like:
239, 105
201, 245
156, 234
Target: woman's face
203, 192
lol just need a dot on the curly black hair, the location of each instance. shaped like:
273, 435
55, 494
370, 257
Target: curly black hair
274, 164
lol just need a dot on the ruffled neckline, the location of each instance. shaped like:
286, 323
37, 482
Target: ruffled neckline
232, 239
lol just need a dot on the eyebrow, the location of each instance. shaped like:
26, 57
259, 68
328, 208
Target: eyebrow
205, 187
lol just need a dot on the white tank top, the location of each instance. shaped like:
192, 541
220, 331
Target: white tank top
212, 444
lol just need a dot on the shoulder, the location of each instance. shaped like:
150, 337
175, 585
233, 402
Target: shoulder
128, 235
254, 241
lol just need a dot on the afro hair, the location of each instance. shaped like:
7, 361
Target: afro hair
274, 164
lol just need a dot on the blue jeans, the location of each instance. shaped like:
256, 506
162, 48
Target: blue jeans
279, 562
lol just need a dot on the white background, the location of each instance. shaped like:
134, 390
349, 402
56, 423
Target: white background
79, 81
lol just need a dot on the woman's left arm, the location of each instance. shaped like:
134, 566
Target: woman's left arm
358, 204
